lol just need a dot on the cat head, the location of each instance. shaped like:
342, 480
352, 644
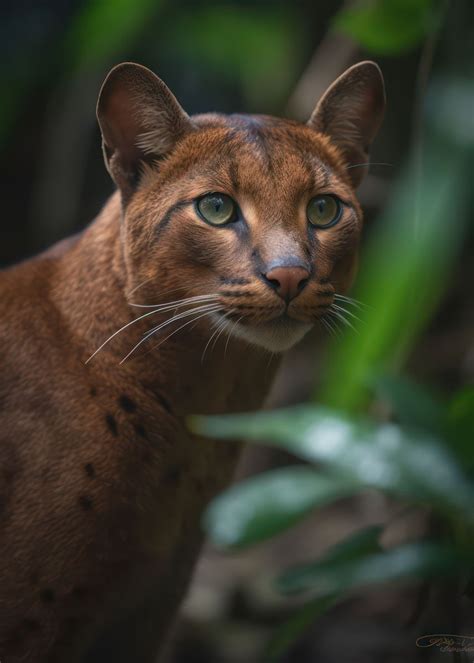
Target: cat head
252, 216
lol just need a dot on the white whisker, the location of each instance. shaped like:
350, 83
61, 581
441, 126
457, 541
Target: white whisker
230, 333
221, 324
340, 317
224, 328
186, 324
351, 300
157, 309
137, 287
343, 310
208, 308
178, 302
369, 163
328, 326
132, 322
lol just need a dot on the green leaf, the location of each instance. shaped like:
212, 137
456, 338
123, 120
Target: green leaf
388, 27
460, 426
250, 43
413, 405
103, 29
269, 503
421, 560
288, 632
406, 463
362, 543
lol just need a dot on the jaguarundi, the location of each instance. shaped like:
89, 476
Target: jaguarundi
228, 238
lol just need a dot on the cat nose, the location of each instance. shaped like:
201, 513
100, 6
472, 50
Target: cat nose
288, 282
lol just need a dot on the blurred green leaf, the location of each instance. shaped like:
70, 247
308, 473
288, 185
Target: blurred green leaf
288, 632
460, 426
104, 28
269, 503
405, 463
388, 27
420, 560
360, 544
413, 405
259, 47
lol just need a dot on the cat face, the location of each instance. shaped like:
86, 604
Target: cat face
255, 213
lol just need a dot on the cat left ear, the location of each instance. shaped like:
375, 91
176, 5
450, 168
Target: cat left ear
350, 114
140, 120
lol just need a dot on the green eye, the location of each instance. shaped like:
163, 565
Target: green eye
217, 208
324, 211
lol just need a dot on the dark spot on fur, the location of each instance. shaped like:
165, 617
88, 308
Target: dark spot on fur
164, 402
200, 485
14, 638
70, 626
111, 424
47, 595
10, 468
127, 404
93, 391
89, 470
86, 502
31, 624
79, 592
173, 474
71, 622
140, 430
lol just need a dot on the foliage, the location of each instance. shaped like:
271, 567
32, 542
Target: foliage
88, 43
387, 27
420, 450
250, 44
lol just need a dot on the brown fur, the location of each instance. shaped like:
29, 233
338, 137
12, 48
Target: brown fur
101, 484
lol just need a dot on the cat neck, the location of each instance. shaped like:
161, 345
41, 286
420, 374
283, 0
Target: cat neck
197, 375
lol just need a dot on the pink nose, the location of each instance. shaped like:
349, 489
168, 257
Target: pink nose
288, 282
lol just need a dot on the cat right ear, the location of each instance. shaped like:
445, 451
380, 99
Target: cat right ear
140, 120
350, 114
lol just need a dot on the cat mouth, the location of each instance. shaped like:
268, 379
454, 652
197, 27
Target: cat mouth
276, 335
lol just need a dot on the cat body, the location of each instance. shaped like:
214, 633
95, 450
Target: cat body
102, 485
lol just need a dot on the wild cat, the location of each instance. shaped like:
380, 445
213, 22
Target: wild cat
240, 231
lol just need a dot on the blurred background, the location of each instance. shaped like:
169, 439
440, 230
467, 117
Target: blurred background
268, 57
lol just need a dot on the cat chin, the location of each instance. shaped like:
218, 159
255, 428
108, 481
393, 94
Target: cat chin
273, 336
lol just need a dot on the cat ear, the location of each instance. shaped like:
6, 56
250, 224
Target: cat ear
140, 120
351, 112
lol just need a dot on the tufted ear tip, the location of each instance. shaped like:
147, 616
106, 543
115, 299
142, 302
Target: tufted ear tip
351, 111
